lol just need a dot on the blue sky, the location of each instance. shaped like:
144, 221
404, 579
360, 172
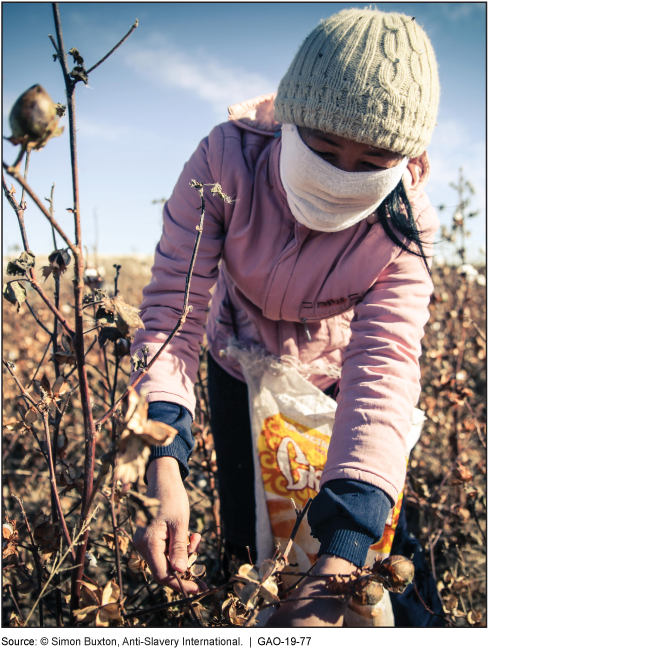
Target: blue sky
151, 102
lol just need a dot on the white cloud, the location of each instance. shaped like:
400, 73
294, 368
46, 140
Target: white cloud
454, 11
209, 79
113, 131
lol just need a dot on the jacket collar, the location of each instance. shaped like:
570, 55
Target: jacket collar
256, 115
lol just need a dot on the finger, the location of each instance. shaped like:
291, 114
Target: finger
190, 587
195, 539
152, 549
178, 547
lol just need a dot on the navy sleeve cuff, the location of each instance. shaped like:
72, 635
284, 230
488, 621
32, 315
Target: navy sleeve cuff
181, 447
347, 517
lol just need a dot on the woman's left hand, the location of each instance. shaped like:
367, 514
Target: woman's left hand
317, 612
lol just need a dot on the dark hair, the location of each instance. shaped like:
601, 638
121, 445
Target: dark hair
395, 214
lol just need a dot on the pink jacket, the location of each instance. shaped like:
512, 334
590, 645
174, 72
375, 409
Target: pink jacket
363, 300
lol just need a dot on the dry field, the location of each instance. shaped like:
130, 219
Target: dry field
445, 493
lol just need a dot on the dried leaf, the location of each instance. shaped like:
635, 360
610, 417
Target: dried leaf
79, 73
128, 319
78, 59
269, 590
31, 416
60, 386
449, 604
136, 564
15, 293
89, 594
111, 593
45, 384
21, 265
86, 614
116, 313
107, 614
247, 593
122, 541
461, 475
131, 460
59, 261
474, 617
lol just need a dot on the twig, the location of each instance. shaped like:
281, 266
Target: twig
55, 494
10, 367
300, 516
478, 430
11, 593
18, 209
77, 251
302, 575
432, 546
186, 310
177, 575
22, 194
31, 381
293, 600
36, 318
417, 593
31, 276
117, 268
174, 603
135, 24
19, 177
36, 555
56, 568
480, 333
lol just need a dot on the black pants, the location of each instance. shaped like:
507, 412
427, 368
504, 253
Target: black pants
231, 429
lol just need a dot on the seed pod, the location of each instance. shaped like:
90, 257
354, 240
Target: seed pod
398, 572
197, 570
122, 347
33, 116
368, 591
33, 120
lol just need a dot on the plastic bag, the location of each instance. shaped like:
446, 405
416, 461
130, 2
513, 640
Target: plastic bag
291, 425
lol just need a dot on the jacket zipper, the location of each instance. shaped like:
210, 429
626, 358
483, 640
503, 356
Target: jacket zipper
304, 324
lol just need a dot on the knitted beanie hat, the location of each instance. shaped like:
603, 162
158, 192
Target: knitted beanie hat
365, 75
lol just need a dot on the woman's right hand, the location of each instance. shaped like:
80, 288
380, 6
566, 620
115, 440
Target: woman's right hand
167, 535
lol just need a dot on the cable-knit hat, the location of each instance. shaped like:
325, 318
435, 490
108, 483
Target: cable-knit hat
365, 75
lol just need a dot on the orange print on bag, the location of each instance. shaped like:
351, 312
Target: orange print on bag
292, 458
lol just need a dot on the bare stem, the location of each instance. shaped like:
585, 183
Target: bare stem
77, 250
19, 177
36, 318
174, 603
18, 209
31, 276
55, 494
35, 554
186, 310
135, 24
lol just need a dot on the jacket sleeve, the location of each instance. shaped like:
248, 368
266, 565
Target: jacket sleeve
172, 377
380, 381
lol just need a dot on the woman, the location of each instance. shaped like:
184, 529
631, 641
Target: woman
322, 255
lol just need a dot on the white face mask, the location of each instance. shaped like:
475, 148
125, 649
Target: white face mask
325, 198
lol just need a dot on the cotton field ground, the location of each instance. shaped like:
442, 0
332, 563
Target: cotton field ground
445, 495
